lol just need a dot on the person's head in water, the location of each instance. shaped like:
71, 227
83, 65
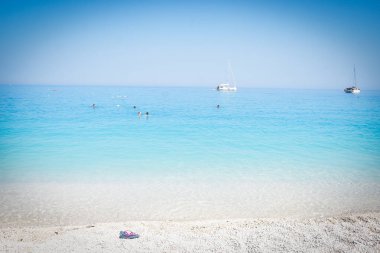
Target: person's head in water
93, 105
134, 107
217, 106
147, 113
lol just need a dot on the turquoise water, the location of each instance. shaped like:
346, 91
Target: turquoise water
51, 133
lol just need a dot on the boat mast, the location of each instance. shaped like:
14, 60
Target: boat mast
354, 76
231, 73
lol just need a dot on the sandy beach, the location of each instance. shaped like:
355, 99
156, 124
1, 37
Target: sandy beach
345, 233
198, 217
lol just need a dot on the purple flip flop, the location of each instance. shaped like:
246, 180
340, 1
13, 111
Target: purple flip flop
128, 235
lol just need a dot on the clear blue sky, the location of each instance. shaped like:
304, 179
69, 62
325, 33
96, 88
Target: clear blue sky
307, 44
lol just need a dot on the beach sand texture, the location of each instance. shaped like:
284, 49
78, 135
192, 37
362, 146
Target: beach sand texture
347, 233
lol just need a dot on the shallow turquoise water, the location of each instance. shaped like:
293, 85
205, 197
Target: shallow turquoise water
51, 133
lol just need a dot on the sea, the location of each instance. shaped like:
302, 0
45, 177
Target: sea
254, 152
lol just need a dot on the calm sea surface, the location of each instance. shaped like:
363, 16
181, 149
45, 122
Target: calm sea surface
263, 153
52, 133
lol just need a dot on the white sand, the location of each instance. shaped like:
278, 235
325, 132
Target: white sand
210, 216
348, 233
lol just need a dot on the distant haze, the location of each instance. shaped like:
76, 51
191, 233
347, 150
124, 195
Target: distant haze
297, 44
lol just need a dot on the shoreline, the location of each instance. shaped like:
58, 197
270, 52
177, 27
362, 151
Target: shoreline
296, 218
81, 204
347, 232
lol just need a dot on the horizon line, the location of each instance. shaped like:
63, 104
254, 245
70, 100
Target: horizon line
171, 86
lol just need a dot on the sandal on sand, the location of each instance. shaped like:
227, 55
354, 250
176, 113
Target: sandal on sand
128, 235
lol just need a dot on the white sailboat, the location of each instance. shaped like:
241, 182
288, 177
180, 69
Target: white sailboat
353, 89
227, 86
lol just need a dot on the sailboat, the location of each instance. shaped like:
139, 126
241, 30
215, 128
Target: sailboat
353, 89
227, 86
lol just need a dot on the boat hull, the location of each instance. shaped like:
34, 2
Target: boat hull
352, 90
227, 89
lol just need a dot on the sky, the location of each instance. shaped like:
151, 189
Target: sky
270, 44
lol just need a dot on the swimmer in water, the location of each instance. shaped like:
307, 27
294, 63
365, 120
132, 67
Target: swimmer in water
139, 114
93, 105
134, 107
218, 106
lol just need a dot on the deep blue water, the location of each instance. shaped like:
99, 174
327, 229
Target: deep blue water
53, 133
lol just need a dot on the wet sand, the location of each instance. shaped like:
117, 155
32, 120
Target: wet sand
67, 204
